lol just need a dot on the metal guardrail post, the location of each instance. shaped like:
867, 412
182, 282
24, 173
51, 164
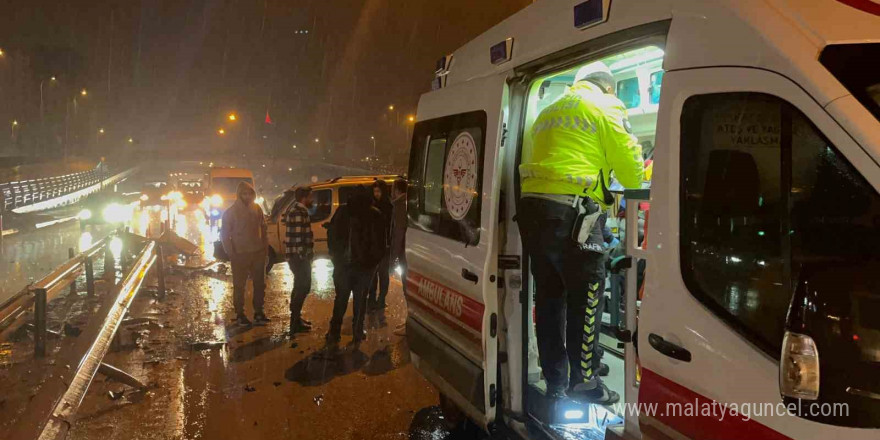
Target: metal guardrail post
90, 277
160, 256
70, 255
40, 322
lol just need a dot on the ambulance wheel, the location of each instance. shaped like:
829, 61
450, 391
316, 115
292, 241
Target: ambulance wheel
454, 419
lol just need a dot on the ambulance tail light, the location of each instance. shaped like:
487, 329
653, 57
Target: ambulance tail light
799, 367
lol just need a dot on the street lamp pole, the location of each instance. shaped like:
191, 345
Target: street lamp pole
373, 138
42, 122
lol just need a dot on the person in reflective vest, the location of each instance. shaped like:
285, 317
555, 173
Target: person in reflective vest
578, 141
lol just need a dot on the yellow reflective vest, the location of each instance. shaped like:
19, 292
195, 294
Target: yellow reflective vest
583, 135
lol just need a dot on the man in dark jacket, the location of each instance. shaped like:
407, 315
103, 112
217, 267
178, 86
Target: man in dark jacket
357, 242
382, 201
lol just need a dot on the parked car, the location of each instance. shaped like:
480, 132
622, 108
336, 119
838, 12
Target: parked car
327, 197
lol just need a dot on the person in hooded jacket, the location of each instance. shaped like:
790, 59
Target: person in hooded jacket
357, 239
243, 234
382, 277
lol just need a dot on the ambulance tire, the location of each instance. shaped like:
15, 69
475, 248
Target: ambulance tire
455, 420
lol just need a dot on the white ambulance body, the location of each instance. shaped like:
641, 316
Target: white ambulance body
766, 144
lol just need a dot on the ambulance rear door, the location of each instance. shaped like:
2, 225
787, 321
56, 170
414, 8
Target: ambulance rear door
451, 242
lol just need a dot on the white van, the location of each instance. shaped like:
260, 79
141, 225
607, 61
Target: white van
221, 191
327, 197
763, 242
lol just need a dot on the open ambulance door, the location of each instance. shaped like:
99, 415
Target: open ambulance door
747, 165
451, 290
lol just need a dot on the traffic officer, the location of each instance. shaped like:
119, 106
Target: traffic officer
577, 142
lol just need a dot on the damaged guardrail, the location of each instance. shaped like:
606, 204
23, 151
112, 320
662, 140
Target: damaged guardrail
15, 311
50, 414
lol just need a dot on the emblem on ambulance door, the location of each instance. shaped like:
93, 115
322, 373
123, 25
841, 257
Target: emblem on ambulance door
460, 176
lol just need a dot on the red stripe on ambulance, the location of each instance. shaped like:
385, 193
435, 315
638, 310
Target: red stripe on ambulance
655, 388
463, 310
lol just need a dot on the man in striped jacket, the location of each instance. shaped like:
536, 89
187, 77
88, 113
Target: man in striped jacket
299, 249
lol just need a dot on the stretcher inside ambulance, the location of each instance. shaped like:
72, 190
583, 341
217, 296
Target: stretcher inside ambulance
749, 281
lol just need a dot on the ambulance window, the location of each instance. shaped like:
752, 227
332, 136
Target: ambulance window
628, 92
731, 211
446, 176
854, 65
654, 88
434, 176
767, 204
835, 248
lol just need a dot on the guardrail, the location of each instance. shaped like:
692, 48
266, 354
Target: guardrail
14, 311
50, 192
50, 413
27, 192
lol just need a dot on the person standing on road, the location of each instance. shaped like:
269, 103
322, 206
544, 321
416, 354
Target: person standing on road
577, 142
243, 234
356, 239
299, 246
382, 202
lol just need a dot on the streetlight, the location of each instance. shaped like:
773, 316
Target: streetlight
41, 98
317, 140
2, 53
101, 130
83, 92
391, 107
130, 140
232, 117
14, 124
411, 118
373, 138
221, 132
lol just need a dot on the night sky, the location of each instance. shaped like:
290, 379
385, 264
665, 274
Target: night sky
166, 73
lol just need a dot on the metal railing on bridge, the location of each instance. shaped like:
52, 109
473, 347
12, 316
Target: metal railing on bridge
27, 192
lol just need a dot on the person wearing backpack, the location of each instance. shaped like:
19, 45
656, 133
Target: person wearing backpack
356, 239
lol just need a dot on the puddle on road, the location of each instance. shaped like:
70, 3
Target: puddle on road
324, 365
251, 350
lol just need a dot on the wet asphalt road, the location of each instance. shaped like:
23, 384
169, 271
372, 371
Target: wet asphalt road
28, 256
212, 379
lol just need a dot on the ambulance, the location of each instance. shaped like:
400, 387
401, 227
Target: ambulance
760, 313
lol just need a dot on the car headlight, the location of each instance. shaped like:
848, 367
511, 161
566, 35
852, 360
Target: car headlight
85, 214
116, 213
216, 200
144, 197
